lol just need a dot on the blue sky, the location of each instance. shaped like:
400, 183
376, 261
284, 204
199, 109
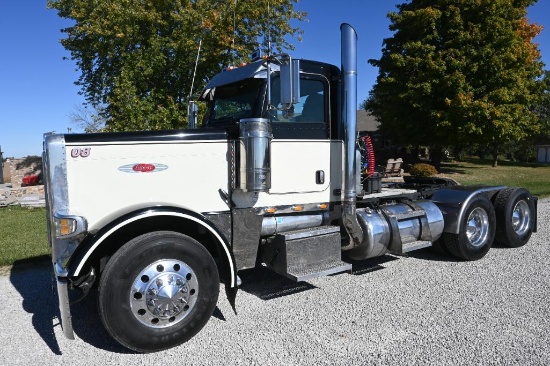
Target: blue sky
37, 91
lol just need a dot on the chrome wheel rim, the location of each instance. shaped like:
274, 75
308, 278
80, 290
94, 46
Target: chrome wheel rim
164, 293
477, 229
521, 216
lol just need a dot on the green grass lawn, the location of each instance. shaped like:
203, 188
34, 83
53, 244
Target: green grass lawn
23, 236
534, 177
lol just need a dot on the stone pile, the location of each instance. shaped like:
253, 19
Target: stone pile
24, 196
14, 193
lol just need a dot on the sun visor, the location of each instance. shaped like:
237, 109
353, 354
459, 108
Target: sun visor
253, 70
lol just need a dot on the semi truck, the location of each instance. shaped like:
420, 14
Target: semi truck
157, 220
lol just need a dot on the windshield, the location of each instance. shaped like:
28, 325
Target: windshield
233, 102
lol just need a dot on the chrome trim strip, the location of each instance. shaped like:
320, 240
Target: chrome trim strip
55, 182
286, 209
163, 213
156, 142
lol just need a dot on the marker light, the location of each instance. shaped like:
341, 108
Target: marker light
68, 226
65, 226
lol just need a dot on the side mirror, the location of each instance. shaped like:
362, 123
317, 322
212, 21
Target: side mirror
192, 114
290, 81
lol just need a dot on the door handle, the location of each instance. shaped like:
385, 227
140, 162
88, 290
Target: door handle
320, 176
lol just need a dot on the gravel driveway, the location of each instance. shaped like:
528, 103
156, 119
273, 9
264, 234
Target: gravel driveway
415, 310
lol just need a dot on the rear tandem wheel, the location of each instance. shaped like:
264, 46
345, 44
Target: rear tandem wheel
515, 212
476, 231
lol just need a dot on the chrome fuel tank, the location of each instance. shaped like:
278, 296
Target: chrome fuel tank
396, 223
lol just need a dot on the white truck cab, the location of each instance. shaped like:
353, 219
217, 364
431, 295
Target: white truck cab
158, 219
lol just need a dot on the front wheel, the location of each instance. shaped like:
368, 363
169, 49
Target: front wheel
476, 231
158, 291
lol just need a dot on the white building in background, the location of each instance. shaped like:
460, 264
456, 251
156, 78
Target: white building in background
543, 154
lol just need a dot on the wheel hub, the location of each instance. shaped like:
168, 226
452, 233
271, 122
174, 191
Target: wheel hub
521, 218
477, 230
163, 293
167, 295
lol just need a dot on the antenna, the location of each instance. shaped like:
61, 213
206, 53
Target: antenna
268, 57
195, 72
268, 29
234, 25
191, 106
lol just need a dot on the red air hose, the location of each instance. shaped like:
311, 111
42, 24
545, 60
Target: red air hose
370, 156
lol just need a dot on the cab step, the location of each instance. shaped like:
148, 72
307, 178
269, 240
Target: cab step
304, 273
306, 253
415, 245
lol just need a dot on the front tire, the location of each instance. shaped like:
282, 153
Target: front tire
158, 291
476, 231
515, 212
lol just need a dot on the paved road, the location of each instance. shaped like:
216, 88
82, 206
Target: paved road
416, 310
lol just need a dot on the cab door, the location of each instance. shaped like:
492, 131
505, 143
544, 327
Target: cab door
301, 146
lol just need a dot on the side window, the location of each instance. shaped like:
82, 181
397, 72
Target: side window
312, 105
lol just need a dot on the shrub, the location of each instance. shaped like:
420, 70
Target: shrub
423, 170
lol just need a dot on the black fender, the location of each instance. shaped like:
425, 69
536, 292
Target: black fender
112, 236
453, 201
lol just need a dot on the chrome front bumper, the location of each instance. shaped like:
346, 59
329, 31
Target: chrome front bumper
63, 297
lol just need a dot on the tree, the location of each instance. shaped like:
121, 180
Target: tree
458, 71
137, 57
87, 119
542, 110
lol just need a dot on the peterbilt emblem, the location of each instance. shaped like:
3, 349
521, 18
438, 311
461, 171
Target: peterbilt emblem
143, 168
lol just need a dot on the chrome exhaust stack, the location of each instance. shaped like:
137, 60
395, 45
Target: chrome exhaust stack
349, 120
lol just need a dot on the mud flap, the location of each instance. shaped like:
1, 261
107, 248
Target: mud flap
231, 293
